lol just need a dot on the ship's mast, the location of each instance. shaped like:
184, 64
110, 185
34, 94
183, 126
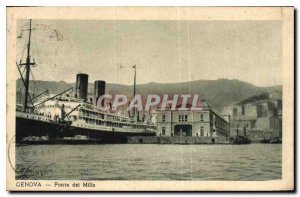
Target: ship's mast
27, 64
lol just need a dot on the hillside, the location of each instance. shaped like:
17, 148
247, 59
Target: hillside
218, 93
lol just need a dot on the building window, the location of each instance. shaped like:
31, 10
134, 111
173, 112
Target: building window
183, 118
234, 111
163, 118
243, 110
201, 117
201, 131
163, 130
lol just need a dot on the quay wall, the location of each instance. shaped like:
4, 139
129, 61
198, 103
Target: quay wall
176, 140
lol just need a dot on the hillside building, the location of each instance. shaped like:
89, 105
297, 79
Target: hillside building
258, 120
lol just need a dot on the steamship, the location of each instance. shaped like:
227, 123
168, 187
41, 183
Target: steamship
62, 118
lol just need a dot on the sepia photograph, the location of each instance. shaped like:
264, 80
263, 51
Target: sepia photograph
150, 99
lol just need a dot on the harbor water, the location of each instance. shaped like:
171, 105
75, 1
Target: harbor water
149, 162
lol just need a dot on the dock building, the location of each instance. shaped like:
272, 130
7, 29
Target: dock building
202, 122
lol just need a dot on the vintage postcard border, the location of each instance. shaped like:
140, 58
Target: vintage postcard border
285, 14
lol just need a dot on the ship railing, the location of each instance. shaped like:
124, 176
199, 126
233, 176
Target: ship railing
33, 116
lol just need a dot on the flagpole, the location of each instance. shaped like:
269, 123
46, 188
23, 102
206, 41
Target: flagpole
134, 82
134, 88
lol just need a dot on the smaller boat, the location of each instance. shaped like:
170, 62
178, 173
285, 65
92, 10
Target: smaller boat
22, 144
265, 141
241, 140
182, 143
78, 139
276, 140
34, 140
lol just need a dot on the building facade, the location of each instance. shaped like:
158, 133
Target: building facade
203, 122
258, 120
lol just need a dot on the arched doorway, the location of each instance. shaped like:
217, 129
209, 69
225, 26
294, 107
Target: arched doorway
183, 130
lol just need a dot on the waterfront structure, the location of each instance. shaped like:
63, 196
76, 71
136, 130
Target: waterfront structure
261, 119
202, 122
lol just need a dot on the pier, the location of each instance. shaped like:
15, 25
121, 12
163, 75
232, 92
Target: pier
177, 140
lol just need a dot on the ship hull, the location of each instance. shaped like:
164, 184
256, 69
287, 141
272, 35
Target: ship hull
55, 132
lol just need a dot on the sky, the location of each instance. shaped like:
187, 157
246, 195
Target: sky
163, 51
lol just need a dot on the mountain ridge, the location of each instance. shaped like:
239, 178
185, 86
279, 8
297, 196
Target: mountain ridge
218, 93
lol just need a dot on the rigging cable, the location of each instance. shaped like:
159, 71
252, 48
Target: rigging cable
36, 51
33, 88
25, 43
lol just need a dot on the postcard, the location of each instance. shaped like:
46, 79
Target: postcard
150, 99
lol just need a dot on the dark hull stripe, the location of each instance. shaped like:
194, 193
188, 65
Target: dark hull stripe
55, 132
